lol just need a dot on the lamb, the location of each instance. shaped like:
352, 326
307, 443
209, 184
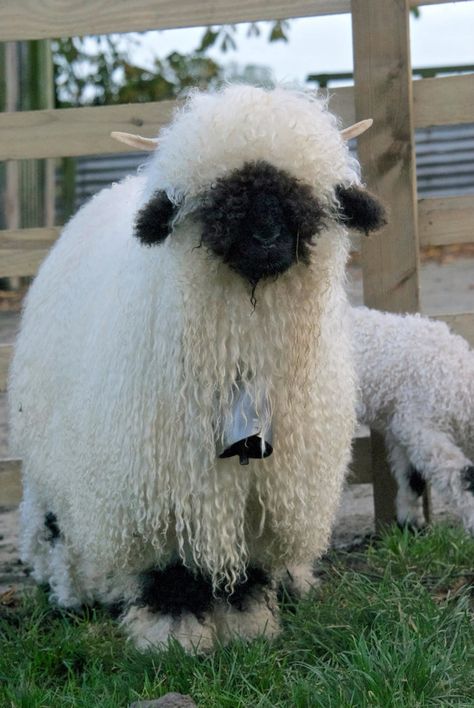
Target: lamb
211, 280
416, 387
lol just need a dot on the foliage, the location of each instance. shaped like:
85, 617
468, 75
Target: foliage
100, 70
389, 626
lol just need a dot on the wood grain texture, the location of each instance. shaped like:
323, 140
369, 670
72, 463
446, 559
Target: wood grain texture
360, 471
36, 19
461, 323
70, 132
41, 19
446, 100
446, 220
6, 351
390, 260
23, 250
10, 482
384, 92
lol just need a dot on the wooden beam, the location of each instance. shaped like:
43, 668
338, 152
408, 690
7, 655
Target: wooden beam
390, 261
31, 19
384, 92
78, 131
69, 132
446, 220
10, 482
445, 100
22, 251
461, 323
6, 352
360, 471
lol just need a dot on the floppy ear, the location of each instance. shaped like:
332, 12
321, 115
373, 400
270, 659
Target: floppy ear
153, 223
359, 209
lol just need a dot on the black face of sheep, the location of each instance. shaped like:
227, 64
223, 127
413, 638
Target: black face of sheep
259, 220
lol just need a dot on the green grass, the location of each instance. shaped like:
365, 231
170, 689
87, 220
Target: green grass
389, 626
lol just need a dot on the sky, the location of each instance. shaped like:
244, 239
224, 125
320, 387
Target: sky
443, 35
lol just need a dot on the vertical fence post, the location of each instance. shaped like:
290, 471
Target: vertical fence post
390, 261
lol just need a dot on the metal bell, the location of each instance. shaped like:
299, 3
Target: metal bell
242, 433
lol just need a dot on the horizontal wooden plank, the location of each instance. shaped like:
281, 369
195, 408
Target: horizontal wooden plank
30, 19
462, 323
446, 220
71, 132
23, 250
6, 351
10, 482
446, 100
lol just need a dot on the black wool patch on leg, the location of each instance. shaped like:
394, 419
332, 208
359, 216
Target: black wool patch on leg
256, 579
51, 523
467, 476
416, 481
174, 590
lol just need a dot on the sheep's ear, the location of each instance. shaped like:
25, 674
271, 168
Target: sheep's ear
154, 220
359, 209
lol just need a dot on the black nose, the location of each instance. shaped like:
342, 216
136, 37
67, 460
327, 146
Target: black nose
267, 238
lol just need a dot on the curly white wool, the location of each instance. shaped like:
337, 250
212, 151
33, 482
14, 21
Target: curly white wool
416, 386
124, 351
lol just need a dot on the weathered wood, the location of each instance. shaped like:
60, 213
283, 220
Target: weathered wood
383, 83
385, 487
10, 482
6, 351
361, 468
78, 131
446, 220
461, 323
446, 100
32, 19
22, 251
390, 260
71, 132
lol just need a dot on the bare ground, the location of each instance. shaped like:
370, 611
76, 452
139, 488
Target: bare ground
446, 287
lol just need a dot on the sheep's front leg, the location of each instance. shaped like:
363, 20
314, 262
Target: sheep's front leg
250, 611
440, 461
411, 486
172, 604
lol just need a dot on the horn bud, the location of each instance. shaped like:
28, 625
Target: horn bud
353, 131
135, 141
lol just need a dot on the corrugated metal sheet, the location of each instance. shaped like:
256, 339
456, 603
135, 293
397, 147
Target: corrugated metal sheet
444, 159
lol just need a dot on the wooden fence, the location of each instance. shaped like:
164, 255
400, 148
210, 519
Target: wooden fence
384, 90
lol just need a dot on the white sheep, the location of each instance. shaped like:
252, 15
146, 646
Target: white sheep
416, 387
217, 271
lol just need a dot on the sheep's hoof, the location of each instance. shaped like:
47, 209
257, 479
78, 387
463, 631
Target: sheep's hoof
258, 616
413, 526
151, 630
297, 581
